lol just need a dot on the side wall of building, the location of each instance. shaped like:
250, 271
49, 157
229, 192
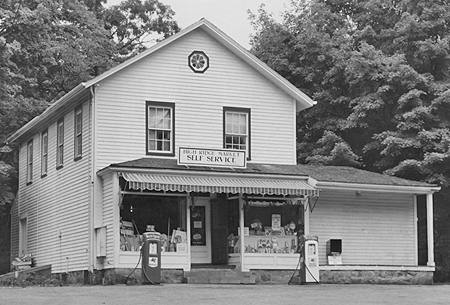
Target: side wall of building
56, 206
199, 98
376, 228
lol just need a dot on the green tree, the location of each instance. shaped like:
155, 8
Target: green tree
379, 71
47, 47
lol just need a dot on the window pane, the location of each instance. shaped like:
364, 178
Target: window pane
166, 146
160, 128
167, 123
152, 123
151, 145
166, 135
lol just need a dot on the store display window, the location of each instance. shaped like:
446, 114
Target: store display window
164, 214
269, 227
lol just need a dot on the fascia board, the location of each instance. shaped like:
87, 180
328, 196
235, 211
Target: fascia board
67, 98
420, 190
158, 171
146, 53
303, 101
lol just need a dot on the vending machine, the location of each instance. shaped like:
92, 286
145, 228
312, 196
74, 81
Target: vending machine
309, 269
151, 258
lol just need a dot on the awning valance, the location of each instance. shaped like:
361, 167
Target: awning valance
208, 184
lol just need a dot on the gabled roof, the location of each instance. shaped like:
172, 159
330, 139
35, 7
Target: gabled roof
326, 176
301, 99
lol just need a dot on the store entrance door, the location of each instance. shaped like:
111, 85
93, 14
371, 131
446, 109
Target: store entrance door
201, 231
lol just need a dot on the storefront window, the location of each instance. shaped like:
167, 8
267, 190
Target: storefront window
166, 214
269, 227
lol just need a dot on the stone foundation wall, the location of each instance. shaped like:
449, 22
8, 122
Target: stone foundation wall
130, 276
376, 277
348, 277
281, 277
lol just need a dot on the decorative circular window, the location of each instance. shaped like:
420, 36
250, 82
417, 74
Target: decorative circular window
198, 61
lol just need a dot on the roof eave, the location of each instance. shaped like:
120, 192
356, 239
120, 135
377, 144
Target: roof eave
116, 169
72, 94
303, 101
419, 190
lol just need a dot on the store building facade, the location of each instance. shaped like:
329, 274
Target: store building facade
196, 137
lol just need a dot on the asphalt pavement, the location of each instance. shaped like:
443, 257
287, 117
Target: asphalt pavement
173, 294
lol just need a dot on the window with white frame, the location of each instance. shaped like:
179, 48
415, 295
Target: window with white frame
60, 144
236, 129
78, 140
44, 153
160, 128
30, 161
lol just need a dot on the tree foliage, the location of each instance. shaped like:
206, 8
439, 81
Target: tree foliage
379, 72
47, 47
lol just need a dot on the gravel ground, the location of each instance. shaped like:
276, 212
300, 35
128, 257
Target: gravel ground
227, 294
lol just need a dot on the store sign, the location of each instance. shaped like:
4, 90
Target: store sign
212, 157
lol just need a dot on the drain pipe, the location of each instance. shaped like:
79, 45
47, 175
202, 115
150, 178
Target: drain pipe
92, 183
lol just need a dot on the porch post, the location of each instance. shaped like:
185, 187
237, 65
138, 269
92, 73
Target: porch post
430, 233
241, 231
306, 213
188, 228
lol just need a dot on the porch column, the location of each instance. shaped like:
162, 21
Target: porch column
307, 211
241, 231
430, 233
188, 229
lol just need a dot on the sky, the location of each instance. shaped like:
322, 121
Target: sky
228, 15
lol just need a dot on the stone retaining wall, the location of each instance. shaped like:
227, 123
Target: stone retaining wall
169, 276
376, 277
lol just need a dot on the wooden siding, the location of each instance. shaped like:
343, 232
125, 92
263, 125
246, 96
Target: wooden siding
57, 205
375, 228
164, 76
14, 251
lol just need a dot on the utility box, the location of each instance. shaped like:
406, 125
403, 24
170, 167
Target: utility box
151, 258
309, 270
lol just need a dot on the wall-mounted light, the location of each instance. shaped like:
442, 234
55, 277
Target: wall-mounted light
131, 208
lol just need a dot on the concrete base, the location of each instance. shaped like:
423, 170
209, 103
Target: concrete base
376, 277
36, 276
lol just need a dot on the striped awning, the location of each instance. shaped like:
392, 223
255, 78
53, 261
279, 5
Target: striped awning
208, 184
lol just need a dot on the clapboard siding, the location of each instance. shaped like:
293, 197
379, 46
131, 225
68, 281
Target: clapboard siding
58, 204
199, 99
375, 228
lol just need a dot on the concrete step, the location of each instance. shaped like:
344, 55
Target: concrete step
218, 276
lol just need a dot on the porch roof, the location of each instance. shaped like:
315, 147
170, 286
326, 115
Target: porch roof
219, 184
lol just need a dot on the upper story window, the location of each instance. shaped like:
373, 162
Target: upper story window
78, 140
236, 129
30, 161
160, 128
44, 153
60, 144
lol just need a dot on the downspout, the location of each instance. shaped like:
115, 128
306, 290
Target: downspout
92, 185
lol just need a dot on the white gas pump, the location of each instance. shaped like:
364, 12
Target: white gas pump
309, 269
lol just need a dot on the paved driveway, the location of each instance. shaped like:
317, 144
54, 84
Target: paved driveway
227, 294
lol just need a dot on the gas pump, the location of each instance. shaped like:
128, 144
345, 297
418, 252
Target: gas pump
309, 270
151, 258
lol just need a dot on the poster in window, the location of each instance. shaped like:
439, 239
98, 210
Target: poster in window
198, 231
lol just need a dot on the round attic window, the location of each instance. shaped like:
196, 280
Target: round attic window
198, 61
